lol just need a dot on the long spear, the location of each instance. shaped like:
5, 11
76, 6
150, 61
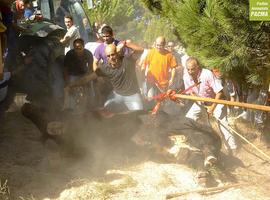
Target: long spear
224, 102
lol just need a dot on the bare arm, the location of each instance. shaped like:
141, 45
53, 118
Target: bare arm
65, 39
172, 76
211, 108
83, 80
95, 64
71, 33
131, 45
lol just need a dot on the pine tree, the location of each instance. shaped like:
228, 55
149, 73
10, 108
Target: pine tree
130, 19
219, 34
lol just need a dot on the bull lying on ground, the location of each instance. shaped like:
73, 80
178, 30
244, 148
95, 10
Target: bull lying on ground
181, 140
178, 140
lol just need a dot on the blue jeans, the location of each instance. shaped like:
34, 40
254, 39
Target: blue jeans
132, 102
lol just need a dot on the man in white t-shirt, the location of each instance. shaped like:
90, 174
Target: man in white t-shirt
207, 86
178, 80
71, 35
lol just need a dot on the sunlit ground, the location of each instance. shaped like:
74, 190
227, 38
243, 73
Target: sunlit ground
152, 180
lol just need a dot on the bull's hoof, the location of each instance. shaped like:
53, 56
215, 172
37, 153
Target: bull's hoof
210, 161
203, 178
55, 128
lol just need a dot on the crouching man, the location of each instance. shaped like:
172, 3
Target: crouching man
120, 70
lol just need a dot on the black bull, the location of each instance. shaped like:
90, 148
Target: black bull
42, 79
179, 140
38, 71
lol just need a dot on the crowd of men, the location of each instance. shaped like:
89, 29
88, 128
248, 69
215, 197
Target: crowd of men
135, 74
160, 68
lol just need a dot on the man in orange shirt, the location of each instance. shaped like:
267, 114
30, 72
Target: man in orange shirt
160, 68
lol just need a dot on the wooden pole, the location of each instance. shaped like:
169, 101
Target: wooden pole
243, 138
224, 102
205, 190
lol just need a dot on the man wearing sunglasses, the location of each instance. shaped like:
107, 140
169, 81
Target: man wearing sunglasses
120, 70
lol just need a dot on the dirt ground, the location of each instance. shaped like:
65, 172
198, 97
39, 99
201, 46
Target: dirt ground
32, 170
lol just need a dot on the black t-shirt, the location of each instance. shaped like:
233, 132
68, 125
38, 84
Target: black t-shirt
122, 78
76, 65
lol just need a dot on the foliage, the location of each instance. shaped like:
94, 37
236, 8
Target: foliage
219, 34
103, 10
156, 27
130, 19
